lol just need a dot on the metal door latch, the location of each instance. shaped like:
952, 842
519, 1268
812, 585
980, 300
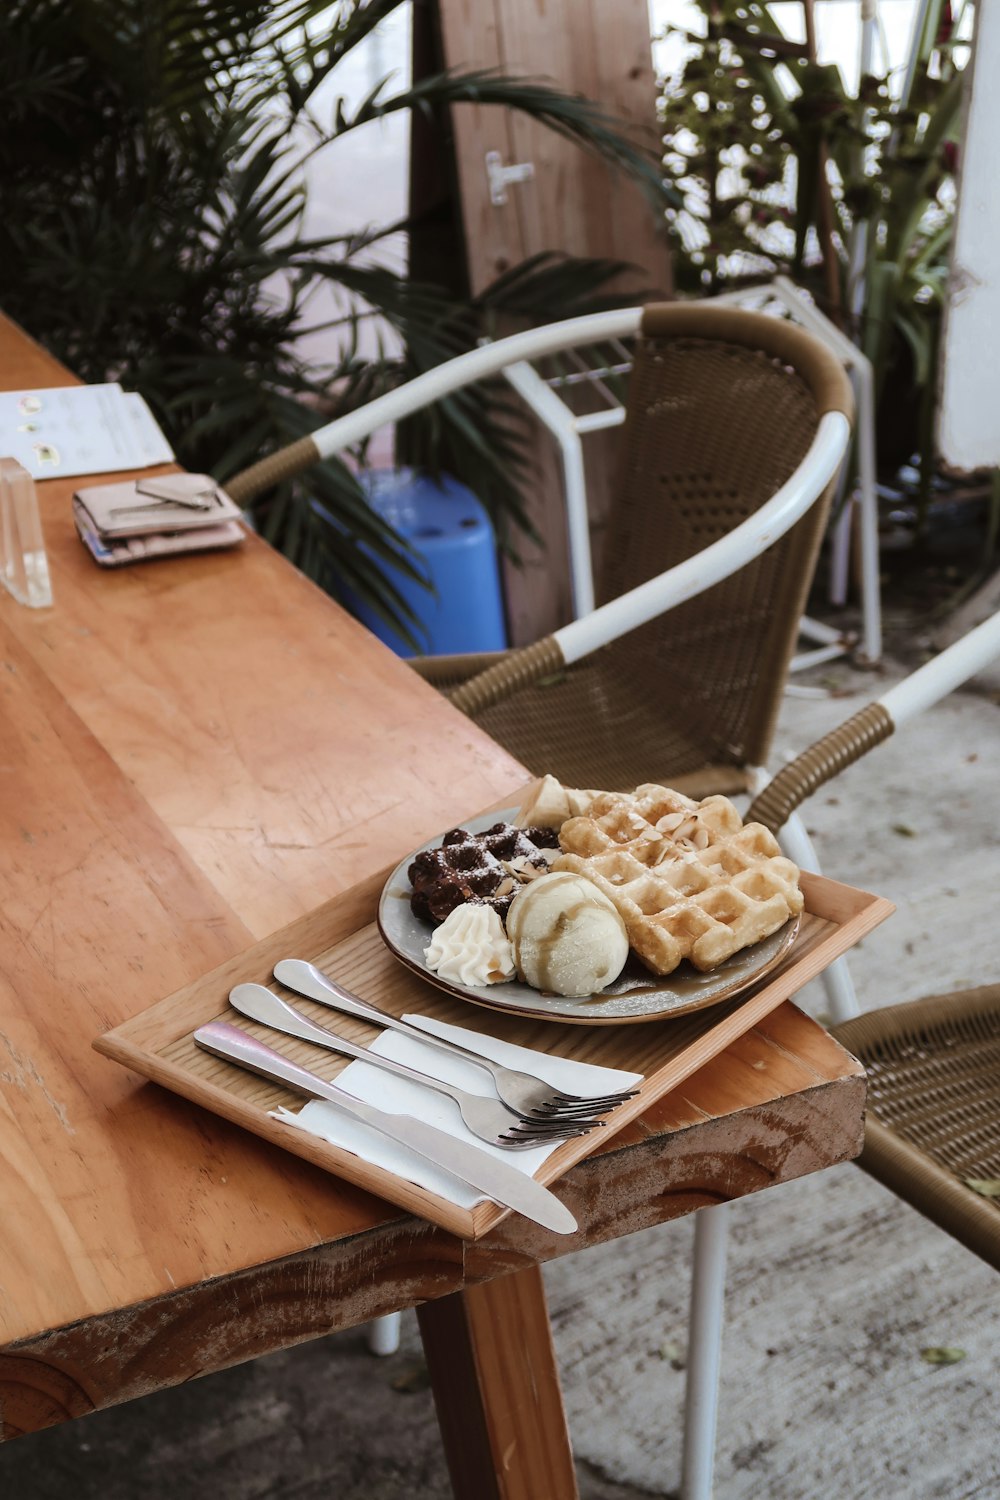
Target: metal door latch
499, 177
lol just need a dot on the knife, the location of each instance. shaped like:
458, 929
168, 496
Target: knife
499, 1181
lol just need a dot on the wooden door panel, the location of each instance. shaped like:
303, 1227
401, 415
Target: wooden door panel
574, 203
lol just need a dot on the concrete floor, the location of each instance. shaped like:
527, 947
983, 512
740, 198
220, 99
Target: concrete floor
835, 1287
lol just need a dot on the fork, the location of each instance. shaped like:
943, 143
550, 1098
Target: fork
489, 1119
523, 1092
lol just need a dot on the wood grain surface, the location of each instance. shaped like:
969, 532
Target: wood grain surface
485, 1388
196, 752
289, 752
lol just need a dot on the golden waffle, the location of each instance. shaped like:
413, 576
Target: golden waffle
689, 879
653, 823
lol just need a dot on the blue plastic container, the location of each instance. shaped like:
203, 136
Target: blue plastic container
451, 530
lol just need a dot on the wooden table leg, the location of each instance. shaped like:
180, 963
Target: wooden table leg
496, 1387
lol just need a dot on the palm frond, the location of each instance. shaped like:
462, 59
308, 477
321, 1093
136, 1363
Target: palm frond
575, 284
579, 119
152, 232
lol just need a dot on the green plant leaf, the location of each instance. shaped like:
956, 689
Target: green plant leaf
153, 233
986, 1187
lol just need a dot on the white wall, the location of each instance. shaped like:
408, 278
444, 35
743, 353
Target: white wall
969, 417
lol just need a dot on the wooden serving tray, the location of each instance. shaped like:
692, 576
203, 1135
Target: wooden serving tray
342, 938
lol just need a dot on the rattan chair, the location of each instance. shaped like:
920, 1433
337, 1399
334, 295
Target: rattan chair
736, 427
933, 1065
723, 406
933, 1122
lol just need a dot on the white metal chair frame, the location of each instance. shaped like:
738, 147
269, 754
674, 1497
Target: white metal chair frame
920, 691
595, 628
543, 395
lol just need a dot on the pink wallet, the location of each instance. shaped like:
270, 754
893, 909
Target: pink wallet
159, 517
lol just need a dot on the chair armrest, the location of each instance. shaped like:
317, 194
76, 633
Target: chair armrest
450, 671
487, 360
516, 670
870, 726
840, 748
284, 464
571, 643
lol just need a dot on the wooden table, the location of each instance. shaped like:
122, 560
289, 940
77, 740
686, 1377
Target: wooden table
194, 753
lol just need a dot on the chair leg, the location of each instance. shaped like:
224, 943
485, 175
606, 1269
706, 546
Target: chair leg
708, 1282
797, 844
837, 982
840, 555
871, 602
708, 1288
383, 1334
840, 993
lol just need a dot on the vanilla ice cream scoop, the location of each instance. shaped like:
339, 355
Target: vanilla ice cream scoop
566, 935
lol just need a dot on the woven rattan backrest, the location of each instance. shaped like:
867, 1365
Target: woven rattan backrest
722, 407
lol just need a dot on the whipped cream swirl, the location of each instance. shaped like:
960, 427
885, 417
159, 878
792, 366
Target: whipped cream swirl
471, 948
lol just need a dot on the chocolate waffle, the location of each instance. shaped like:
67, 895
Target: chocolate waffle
688, 878
480, 868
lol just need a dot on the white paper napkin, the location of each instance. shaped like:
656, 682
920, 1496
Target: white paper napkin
400, 1096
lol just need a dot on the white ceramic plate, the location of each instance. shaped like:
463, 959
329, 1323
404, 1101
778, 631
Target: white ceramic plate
637, 995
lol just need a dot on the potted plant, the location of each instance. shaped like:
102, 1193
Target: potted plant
783, 171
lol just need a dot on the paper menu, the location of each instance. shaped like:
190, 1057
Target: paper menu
85, 429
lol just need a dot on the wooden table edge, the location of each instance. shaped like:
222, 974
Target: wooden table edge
114, 1357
